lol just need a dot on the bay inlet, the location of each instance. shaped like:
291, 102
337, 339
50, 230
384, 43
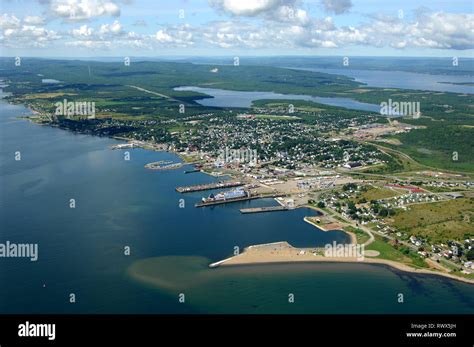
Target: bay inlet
234, 98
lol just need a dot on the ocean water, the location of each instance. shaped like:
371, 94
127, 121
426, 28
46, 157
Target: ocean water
327, 288
119, 203
404, 79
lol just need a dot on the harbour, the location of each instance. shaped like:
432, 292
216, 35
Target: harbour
132, 202
237, 195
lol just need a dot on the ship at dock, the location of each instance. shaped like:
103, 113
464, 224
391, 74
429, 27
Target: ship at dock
238, 194
228, 195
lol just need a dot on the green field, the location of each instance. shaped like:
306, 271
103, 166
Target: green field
437, 222
361, 235
377, 193
390, 252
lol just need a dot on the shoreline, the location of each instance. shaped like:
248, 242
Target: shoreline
352, 236
267, 259
231, 260
282, 252
320, 227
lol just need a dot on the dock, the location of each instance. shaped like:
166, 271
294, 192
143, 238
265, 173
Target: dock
201, 187
263, 209
222, 202
245, 198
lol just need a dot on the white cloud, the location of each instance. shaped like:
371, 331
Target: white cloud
247, 7
92, 44
428, 30
257, 24
28, 36
162, 37
8, 21
107, 36
33, 20
104, 31
175, 36
278, 11
229, 34
114, 29
336, 6
273, 10
79, 10
83, 31
15, 32
291, 15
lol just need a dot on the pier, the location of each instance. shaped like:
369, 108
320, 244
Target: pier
245, 198
200, 187
221, 202
263, 209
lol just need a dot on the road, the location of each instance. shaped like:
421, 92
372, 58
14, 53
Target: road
154, 93
370, 232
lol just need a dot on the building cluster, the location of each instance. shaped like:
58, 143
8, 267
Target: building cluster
459, 254
290, 145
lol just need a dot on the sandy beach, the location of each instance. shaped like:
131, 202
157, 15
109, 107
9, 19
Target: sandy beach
283, 252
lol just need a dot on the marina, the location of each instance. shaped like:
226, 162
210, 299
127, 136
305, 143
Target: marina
163, 165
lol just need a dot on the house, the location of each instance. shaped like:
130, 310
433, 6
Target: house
352, 165
455, 195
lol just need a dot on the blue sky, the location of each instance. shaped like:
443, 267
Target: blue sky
79, 28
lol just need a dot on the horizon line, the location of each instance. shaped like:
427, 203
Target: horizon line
234, 55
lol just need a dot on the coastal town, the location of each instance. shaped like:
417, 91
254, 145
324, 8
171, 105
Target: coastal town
349, 166
338, 173
239, 168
